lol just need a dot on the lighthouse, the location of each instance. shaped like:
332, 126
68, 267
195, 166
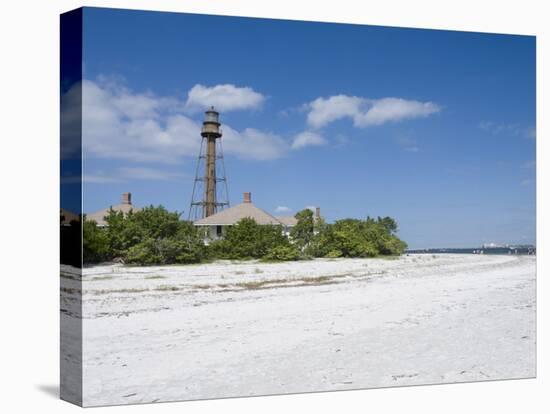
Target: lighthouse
210, 193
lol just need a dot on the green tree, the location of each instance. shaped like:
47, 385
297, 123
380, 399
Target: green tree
282, 253
389, 224
248, 240
156, 236
302, 233
95, 243
357, 238
149, 236
144, 253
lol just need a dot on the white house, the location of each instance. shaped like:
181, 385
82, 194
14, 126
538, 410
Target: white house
217, 224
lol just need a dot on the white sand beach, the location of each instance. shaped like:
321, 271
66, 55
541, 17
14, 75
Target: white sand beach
238, 329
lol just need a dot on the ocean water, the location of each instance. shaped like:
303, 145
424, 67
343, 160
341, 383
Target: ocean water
479, 250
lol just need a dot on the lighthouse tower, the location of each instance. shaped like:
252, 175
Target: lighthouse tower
210, 193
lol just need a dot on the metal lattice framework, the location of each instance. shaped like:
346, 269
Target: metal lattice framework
210, 194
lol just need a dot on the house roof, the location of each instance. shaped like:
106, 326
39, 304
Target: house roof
234, 214
67, 217
125, 206
99, 216
288, 221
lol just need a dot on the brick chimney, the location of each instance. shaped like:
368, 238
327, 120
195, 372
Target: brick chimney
127, 198
247, 197
317, 213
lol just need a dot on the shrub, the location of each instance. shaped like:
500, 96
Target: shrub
95, 243
334, 254
150, 236
184, 247
156, 236
302, 233
282, 253
144, 253
248, 240
357, 238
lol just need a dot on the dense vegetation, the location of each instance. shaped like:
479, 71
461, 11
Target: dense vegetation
155, 236
248, 240
150, 236
357, 238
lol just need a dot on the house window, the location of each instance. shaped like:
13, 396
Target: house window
219, 231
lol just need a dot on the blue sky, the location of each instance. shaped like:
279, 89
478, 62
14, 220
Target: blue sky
434, 128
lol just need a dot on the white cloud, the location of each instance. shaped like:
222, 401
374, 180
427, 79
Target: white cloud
282, 209
324, 111
395, 109
146, 173
366, 112
71, 123
118, 123
225, 97
99, 179
124, 174
306, 139
253, 144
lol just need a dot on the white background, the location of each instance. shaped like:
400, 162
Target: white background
29, 194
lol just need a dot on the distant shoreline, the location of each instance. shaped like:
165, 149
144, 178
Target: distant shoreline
521, 250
